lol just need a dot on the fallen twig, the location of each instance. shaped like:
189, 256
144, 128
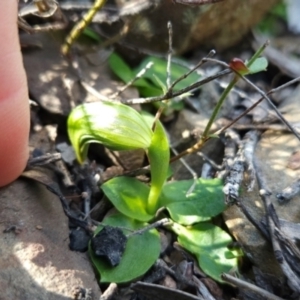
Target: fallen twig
242, 160
246, 285
109, 292
262, 93
289, 192
273, 222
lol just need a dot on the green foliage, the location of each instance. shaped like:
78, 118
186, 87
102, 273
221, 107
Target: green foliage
120, 127
115, 125
120, 68
92, 34
205, 201
257, 65
209, 244
159, 156
260, 64
129, 196
151, 82
135, 261
270, 25
158, 73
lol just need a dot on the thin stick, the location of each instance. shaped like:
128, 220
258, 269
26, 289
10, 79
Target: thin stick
200, 144
79, 27
256, 103
262, 93
209, 161
258, 53
162, 222
193, 173
199, 64
162, 107
264, 192
129, 83
246, 285
170, 52
171, 94
228, 88
44, 159
109, 292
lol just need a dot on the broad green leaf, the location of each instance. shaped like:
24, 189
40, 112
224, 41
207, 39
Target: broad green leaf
141, 252
260, 64
129, 196
115, 125
209, 244
159, 156
205, 201
159, 69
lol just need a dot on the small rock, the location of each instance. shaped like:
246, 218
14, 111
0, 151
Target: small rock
110, 244
79, 240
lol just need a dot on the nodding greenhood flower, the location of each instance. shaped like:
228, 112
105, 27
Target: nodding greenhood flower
115, 125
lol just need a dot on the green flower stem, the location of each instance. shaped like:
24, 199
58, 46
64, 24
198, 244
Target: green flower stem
227, 90
218, 107
159, 156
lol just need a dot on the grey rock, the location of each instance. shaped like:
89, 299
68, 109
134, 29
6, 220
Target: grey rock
35, 260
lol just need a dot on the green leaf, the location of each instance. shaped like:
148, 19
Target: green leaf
205, 201
141, 252
149, 90
153, 79
260, 64
115, 125
125, 73
209, 244
129, 196
92, 34
161, 84
159, 70
120, 68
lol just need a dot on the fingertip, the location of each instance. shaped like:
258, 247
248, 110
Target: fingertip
14, 107
14, 124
